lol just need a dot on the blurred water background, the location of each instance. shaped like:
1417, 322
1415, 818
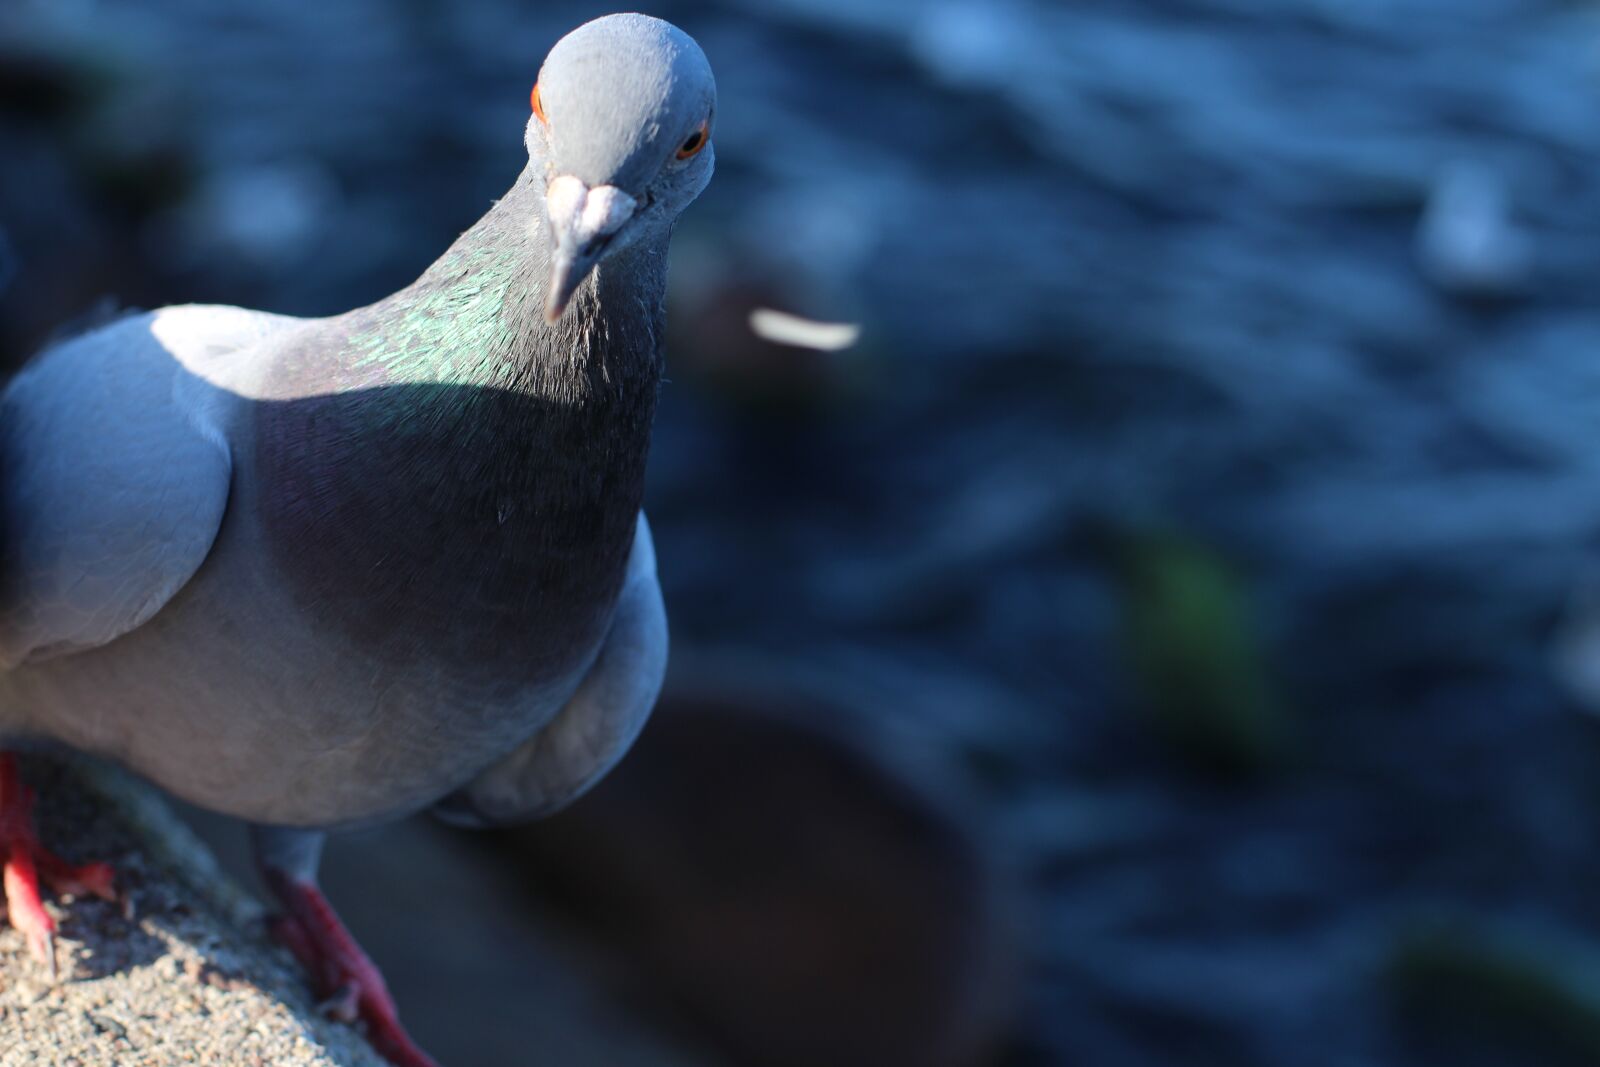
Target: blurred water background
1171, 636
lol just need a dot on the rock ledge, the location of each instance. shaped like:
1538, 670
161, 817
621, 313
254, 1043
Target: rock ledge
190, 979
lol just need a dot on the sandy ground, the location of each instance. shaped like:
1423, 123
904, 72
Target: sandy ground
189, 979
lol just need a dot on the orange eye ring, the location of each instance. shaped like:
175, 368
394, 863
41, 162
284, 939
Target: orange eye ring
696, 141
538, 106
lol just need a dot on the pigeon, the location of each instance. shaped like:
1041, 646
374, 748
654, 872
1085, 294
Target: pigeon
319, 574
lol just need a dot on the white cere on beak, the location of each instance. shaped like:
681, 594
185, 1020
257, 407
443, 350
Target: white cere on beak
580, 218
582, 215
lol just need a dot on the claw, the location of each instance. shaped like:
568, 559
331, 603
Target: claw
351, 984
25, 861
344, 1005
26, 910
45, 954
68, 880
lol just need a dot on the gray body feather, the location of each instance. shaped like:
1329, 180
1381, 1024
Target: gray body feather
325, 572
148, 614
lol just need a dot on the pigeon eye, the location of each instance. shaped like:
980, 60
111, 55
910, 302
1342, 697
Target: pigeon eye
697, 140
538, 106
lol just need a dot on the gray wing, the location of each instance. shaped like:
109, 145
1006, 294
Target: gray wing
596, 727
114, 475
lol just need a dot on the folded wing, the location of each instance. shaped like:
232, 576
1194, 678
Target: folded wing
114, 475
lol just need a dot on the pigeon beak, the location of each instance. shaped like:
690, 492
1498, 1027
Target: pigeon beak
582, 221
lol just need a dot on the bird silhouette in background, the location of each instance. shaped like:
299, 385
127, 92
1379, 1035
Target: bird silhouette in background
323, 573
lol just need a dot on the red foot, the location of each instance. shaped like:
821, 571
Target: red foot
25, 860
350, 983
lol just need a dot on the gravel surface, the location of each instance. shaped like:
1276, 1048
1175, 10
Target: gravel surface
189, 979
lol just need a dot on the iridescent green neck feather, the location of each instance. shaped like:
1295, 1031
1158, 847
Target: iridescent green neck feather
474, 317
447, 446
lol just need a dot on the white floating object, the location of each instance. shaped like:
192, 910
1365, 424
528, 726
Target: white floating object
782, 328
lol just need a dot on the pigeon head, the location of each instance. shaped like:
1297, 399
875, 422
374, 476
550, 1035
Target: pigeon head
621, 131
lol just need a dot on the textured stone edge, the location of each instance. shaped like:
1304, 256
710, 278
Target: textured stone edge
183, 975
